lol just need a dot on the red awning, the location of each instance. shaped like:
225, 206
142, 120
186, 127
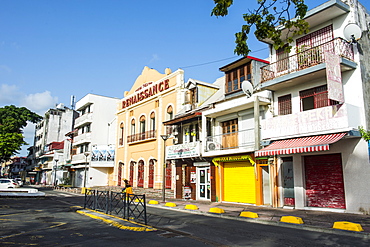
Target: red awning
300, 145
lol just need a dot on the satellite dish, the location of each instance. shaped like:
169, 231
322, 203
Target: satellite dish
247, 88
352, 32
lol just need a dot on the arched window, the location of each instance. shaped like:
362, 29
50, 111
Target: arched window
142, 124
121, 130
133, 127
152, 121
169, 113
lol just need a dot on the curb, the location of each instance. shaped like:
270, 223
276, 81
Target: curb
363, 235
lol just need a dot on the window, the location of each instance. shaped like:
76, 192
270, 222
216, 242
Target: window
133, 127
230, 134
191, 96
152, 121
169, 113
316, 38
88, 128
121, 134
282, 57
142, 124
285, 105
235, 77
315, 98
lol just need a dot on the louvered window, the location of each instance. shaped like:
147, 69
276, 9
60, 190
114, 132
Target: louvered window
285, 105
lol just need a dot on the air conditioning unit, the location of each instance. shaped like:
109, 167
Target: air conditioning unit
211, 146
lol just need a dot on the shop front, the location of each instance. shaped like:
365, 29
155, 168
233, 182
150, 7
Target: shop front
237, 179
309, 176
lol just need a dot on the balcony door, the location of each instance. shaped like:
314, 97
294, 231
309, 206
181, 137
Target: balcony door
230, 134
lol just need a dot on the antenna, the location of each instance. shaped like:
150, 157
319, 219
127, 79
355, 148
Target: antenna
352, 32
72, 102
247, 88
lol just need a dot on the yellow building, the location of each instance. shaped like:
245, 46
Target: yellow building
153, 99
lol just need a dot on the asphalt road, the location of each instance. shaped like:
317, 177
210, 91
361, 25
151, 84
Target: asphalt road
52, 221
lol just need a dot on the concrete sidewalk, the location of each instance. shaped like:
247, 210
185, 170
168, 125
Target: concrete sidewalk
311, 219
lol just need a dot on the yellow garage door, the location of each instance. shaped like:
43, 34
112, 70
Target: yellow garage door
239, 182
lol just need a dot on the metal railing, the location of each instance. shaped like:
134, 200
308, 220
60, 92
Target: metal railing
142, 136
127, 206
232, 140
306, 58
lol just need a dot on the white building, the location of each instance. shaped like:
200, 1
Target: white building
52, 128
316, 153
94, 141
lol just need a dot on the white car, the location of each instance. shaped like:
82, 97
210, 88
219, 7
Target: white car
7, 183
19, 181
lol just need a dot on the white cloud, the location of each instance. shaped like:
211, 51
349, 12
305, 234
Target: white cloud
39, 102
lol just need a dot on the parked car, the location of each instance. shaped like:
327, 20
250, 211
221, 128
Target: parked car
19, 181
7, 183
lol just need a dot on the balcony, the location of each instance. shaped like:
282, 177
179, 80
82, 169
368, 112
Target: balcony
83, 119
144, 136
234, 142
82, 138
79, 158
307, 63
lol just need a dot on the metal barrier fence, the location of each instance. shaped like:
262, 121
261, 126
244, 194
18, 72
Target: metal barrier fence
127, 206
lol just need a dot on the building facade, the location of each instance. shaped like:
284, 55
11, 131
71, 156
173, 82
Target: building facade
153, 99
92, 142
312, 143
52, 128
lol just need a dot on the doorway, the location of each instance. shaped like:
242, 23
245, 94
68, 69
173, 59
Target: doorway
203, 183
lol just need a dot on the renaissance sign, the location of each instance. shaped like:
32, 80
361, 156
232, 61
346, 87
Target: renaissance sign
146, 93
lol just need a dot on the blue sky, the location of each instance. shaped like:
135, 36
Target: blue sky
52, 49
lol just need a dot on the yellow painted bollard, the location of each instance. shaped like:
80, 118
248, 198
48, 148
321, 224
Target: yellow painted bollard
348, 226
88, 190
216, 210
291, 219
248, 214
191, 207
153, 202
170, 204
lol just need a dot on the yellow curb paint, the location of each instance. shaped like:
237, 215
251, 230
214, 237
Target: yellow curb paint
348, 226
291, 219
248, 214
170, 204
216, 210
115, 224
191, 207
153, 202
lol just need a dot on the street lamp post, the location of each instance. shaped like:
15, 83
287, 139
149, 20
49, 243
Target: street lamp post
164, 137
55, 171
86, 154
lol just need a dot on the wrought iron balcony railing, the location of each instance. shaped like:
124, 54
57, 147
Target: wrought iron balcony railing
151, 134
307, 58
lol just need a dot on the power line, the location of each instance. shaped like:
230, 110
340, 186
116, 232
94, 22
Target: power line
201, 64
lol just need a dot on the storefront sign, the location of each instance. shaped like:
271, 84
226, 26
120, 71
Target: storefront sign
103, 153
334, 77
315, 120
185, 150
146, 93
217, 160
